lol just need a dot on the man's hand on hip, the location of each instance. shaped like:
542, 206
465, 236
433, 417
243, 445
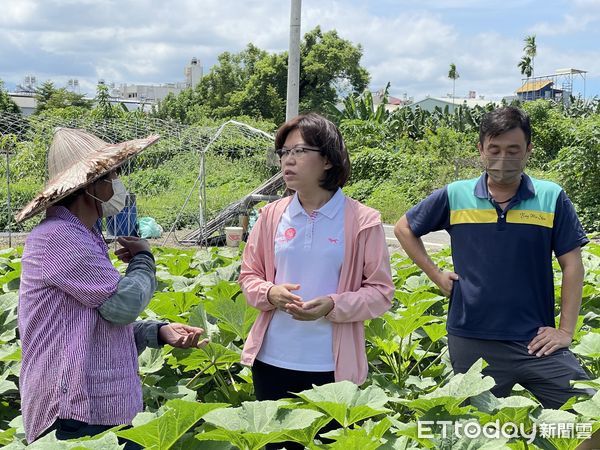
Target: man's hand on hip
548, 340
445, 281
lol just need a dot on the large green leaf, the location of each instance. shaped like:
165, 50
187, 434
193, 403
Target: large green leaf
552, 425
106, 441
151, 360
481, 443
305, 436
179, 283
10, 352
382, 336
409, 299
10, 281
582, 384
8, 316
177, 417
7, 436
514, 409
459, 388
199, 318
354, 439
179, 264
346, 402
411, 431
230, 309
589, 346
404, 322
256, 424
173, 306
156, 395
435, 331
6, 385
189, 442
589, 408
214, 355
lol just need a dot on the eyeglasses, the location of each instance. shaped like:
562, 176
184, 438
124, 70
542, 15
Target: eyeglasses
297, 152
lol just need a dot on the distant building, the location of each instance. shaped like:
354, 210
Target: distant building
25, 101
557, 86
430, 103
134, 97
153, 93
393, 103
533, 90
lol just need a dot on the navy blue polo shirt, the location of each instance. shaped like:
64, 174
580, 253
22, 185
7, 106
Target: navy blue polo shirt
503, 259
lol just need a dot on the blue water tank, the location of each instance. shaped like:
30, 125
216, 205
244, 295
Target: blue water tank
124, 223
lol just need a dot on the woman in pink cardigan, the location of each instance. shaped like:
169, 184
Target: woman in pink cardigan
316, 266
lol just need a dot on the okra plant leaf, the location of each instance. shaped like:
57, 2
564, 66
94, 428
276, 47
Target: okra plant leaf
346, 402
255, 424
589, 346
176, 418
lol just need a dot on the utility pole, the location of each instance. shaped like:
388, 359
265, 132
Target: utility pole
293, 80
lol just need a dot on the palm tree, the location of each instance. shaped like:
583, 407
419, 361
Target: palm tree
525, 66
453, 75
526, 69
530, 49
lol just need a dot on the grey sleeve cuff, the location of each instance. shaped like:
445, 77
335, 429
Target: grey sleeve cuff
134, 291
146, 334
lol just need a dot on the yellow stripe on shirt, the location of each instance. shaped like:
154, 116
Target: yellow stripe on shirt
473, 216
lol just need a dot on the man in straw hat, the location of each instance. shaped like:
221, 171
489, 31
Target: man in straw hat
80, 340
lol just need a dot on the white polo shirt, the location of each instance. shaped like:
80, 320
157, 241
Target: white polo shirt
309, 251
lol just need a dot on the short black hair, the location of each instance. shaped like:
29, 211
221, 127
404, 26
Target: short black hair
320, 132
504, 119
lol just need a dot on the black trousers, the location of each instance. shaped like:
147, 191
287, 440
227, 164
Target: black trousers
274, 383
548, 378
75, 429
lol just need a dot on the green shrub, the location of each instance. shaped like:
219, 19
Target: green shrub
150, 181
361, 189
29, 159
363, 133
373, 164
22, 192
550, 131
578, 167
389, 199
226, 181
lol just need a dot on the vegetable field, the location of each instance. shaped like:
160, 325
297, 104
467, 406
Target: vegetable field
203, 398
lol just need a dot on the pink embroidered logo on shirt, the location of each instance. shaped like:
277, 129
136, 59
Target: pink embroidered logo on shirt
333, 240
290, 233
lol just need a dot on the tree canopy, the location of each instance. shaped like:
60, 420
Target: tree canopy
7, 104
254, 82
50, 97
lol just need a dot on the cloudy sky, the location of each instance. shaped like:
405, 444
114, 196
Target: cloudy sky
410, 44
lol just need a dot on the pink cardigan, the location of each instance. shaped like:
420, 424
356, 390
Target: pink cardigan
364, 292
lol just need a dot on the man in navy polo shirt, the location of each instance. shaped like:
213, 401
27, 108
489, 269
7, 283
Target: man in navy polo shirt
504, 227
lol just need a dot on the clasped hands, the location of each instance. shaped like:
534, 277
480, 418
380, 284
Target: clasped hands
281, 296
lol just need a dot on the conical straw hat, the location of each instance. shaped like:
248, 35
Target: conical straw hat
77, 158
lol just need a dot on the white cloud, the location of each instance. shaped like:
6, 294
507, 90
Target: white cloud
569, 24
135, 41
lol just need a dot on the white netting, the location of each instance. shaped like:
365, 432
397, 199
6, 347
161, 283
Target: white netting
193, 177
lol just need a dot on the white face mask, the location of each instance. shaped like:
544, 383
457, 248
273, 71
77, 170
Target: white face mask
116, 203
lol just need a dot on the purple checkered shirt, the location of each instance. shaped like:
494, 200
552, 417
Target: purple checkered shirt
75, 364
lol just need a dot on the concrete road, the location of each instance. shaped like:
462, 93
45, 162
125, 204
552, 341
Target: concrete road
433, 241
